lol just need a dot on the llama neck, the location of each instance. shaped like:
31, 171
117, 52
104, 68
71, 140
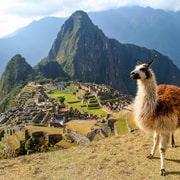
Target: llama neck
146, 99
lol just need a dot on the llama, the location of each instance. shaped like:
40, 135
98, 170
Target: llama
156, 108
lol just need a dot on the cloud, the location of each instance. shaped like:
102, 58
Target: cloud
18, 13
39, 8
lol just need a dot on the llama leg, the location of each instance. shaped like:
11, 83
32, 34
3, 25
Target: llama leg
164, 138
172, 140
155, 142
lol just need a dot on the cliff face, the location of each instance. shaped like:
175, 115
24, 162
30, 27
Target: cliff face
85, 53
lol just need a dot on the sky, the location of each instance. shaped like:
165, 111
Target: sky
15, 14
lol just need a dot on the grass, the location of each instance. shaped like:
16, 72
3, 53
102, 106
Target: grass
120, 157
131, 121
1, 146
20, 135
13, 142
65, 145
81, 126
121, 121
49, 130
72, 101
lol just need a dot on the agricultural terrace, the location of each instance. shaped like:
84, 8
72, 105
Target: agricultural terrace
73, 98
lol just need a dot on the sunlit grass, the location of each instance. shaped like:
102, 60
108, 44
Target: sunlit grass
20, 135
81, 126
65, 144
13, 142
121, 122
72, 101
1, 145
131, 121
49, 130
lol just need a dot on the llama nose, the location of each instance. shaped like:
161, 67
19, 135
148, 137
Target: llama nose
134, 75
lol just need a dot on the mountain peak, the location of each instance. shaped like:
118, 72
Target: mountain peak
16, 71
81, 17
66, 42
79, 13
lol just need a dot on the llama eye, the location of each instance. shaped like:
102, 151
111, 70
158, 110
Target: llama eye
143, 69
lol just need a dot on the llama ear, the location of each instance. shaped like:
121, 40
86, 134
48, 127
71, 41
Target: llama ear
151, 61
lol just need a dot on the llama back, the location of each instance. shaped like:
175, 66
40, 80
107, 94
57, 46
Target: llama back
170, 95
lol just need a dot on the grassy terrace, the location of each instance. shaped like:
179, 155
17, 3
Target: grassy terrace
81, 126
45, 129
71, 100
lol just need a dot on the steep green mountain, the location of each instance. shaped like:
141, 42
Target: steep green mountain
17, 73
50, 69
85, 53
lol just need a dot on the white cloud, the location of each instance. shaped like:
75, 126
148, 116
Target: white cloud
18, 13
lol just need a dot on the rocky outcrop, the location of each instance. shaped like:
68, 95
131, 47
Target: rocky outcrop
78, 137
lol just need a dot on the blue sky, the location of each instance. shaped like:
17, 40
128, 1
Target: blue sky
18, 13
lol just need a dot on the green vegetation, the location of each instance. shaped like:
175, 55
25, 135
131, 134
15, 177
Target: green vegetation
1, 145
1, 148
71, 100
50, 69
131, 121
41, 80
39, 145
8, 101
121, 122
92, 103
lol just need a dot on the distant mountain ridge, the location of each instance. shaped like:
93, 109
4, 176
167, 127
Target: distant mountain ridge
147, 27
32, 41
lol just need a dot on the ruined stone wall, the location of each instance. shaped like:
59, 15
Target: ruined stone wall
77, 136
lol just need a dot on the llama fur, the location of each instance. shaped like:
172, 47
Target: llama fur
152, 113
156, 108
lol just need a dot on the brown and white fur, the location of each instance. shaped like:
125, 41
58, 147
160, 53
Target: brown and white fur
156, 108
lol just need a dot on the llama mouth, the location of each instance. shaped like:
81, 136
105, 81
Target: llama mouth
134, 76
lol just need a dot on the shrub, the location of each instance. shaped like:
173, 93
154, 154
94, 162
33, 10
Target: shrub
61, 99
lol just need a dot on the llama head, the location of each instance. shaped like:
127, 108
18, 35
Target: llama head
142, 71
